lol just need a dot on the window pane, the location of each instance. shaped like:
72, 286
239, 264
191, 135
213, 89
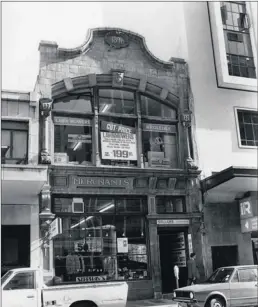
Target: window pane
116, 101
248, 127
151, 107
19, 144
159, 148
130, 205
80, 104
169, 205
248, 275
6, 141
21, 281
73, 142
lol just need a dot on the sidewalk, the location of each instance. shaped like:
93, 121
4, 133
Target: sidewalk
151, 303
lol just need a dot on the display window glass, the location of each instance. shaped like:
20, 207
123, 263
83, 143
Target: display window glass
101, 245
159, 144
151, 107
73, 140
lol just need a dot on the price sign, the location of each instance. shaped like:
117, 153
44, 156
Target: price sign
118, 146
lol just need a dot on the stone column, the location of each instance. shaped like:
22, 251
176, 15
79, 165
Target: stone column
96, 131
45, 105
139, 133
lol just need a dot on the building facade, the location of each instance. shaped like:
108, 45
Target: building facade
226, 126
22, 180
116, 133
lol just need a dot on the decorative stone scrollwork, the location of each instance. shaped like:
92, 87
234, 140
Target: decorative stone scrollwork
118, 78
45, 105
186, 118
45, 157
190, 164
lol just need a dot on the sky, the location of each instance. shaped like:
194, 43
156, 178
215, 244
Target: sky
25, 24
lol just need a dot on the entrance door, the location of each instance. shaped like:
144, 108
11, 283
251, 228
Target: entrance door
172, 252
15, 251
224, 256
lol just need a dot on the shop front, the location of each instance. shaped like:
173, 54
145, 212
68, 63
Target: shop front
115, 228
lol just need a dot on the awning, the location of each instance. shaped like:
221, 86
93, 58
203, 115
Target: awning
21, 184
230, 184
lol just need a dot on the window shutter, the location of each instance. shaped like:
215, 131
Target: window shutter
224, 14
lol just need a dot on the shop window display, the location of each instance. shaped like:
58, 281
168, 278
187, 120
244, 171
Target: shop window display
159, 145
102, 244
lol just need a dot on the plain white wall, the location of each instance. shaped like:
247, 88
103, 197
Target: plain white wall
216, 130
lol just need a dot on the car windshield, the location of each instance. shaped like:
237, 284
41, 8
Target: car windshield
220, 275
6, 276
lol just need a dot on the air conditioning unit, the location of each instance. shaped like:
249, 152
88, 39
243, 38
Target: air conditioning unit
78, 205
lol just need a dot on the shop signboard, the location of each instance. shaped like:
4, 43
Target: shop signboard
83, 138
158, 128
245, 208
71, 121
100, 182
55, 228
122, 245
173, 222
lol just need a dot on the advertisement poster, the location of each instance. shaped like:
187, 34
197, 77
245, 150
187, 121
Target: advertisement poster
122, 245
118, 146
179, 258
84, 138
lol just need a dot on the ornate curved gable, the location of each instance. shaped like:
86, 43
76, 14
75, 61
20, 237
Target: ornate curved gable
107, 34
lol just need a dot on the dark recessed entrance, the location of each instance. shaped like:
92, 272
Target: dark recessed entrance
172, 244
15, 247
224, 256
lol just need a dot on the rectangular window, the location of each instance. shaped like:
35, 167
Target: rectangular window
248, 127
154, 108
104, 244
14, 141
170, 205
159, 145
73, 140
118, 141
236, 25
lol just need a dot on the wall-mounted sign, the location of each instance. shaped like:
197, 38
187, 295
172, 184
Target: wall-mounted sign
190, 243
104, 182
60, 157
118, 146
55, 228
159, 128
179, 258
173, 222
122, 245
83, 138
113, 127
117, 39
246, 209
91, 278
250, 224
71, 121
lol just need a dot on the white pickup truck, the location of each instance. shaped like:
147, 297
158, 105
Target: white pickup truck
25, 288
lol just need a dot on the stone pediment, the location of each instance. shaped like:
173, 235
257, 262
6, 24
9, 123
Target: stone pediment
112, 38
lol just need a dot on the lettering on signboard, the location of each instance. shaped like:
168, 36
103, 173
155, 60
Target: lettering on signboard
245, 208
91, 278
172, 222
101, 182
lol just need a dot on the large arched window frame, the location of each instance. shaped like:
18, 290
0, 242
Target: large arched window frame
117, 113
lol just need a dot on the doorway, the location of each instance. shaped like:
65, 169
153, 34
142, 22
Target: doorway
172, 245
224, 256
15, 251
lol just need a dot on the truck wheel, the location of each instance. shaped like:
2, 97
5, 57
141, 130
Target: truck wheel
216, 302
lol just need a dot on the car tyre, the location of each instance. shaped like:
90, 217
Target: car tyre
216, 302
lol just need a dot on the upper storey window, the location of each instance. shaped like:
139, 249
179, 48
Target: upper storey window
116, 101
234, 37
73, 131
114, 135
236, 28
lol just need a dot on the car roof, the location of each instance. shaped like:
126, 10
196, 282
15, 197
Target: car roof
240, 266
22, 269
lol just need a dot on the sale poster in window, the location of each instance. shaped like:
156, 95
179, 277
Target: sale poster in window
118, 146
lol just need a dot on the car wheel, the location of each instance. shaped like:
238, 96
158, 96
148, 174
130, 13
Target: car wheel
216, 302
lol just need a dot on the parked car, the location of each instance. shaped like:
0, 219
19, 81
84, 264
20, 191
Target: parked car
233, 286
24, 287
